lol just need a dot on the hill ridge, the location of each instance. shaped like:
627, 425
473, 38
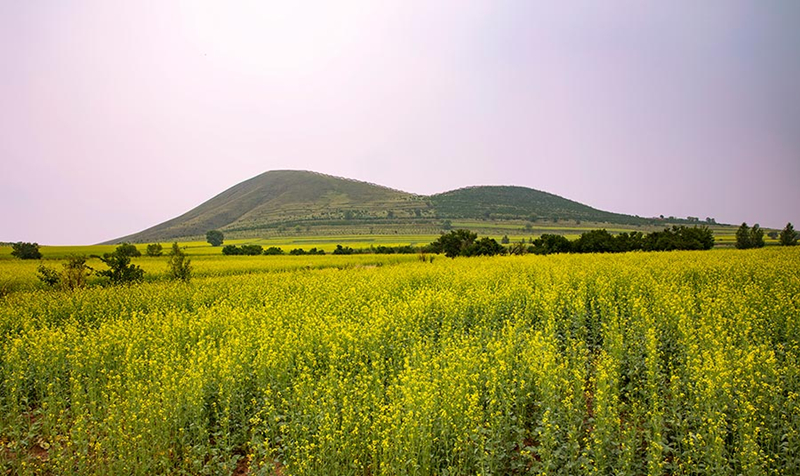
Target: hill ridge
277, 199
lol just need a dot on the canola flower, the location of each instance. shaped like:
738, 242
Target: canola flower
662, 363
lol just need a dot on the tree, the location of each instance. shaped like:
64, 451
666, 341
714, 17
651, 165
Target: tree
179, 266
215, 237
788, 236
756, 237
454, 243
547, 243
128, 249
75, 273
120, 269
743, 237
24, 250
505, 240
484, 247
154, 249
447, 225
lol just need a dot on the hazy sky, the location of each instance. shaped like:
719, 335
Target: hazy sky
115, 116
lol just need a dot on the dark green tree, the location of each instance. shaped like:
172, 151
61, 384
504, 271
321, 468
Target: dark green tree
128, 249
547, 244
24, 250
179, 266
505, 240
788, 236
155, 249
215, 237
743, 237
454, 243
484, 247
756, 237
120, 269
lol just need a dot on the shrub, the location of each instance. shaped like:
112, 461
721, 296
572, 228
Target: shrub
179, 266
788, 237
128, 249
743, 237
121, 270
23, 250
154, 249
215, 237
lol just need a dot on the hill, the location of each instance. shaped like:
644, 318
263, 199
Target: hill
518, 203
289, 198
283, 197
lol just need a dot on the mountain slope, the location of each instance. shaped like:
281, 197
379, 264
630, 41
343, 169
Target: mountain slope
284, 198
281, 196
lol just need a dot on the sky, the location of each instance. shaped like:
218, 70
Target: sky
118, 115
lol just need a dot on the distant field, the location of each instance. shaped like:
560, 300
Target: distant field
361, 238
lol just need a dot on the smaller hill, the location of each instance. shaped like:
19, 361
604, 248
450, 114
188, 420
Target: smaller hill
518, 203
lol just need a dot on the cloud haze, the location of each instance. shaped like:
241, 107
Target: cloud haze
116, 116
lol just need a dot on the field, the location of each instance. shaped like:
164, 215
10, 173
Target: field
638, 363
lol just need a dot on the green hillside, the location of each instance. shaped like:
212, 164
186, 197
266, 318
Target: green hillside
518, 203
314, 202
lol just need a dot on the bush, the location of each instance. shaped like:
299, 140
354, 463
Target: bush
179, 266
743, 237
788, 237
454, 243
72, 277
343, 250
121, 270
215, 237
547, 244
154, 249
249, 250
273, 250
128, 249
23, 250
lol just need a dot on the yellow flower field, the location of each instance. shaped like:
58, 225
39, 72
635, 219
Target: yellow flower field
639, 363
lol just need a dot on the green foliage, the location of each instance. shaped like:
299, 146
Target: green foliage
680, 238
788, 236
179, 266
215, 237
454, 243
128, 249
273, 250
484, 247
756, 236
301, 251
595, 241
246, 250
24, 250
447, 225
154, 249
48, 276
743, 237
505, 240
549, 243
121, 270
343, 250
75, 273
73, 276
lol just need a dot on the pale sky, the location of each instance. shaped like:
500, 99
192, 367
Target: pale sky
116, 116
